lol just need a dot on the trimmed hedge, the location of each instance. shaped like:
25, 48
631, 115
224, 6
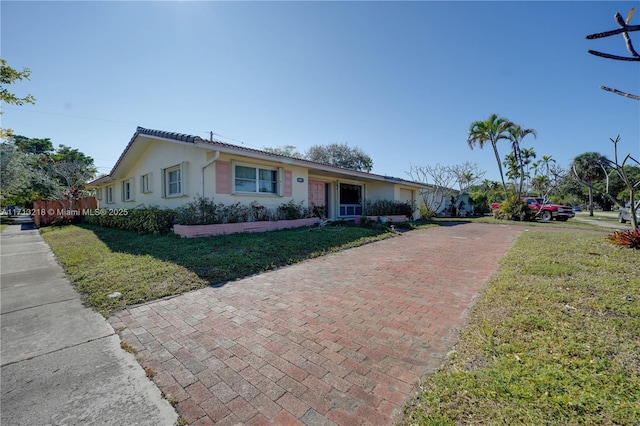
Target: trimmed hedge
143, 220
388, 208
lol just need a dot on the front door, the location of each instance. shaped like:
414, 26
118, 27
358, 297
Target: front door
317, 195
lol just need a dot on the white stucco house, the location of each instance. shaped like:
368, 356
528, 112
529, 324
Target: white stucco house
171, 169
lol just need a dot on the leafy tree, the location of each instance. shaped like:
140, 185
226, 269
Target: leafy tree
15, 173
32, 170
285, 151
33, 145
66, 154
9, 76
617, 186
340, 155
491, 130
589, 167
484, 193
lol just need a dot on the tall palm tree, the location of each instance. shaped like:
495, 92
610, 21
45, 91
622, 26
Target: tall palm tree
490, 131
516, 134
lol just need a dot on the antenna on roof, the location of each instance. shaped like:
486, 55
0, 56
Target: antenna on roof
211, 136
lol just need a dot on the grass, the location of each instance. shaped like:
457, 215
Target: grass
102, 261
572, 223
552, 341
5, 221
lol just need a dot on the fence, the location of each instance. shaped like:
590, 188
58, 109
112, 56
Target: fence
45, 212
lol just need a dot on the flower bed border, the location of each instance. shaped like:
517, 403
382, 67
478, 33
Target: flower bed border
190, 231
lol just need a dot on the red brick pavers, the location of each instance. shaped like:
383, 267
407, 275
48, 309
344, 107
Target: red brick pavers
341, 339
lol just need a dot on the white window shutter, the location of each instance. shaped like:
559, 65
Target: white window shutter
280, 183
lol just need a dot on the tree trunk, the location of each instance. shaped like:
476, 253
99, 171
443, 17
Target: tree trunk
590, 202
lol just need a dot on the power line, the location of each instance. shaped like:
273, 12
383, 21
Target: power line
69, 115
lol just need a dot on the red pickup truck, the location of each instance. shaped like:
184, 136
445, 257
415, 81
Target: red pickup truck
545, 209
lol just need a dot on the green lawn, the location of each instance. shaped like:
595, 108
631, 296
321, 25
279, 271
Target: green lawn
554, 340
101, 261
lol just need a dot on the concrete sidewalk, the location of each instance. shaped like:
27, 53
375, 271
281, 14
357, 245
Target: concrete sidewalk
61, 363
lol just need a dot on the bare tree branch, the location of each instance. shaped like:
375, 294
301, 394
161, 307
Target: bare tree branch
618, 92
615, 57
624, 30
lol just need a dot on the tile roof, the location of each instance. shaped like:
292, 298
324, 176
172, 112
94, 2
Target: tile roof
183, 137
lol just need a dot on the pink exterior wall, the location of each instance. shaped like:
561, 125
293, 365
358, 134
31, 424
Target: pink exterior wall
234, 228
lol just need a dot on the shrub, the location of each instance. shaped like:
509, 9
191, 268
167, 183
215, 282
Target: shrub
388, 208
426, 212
513, 208
630, 239
319, 211
259, 213
64, 220
142, 220
201, 211
292, 210
234, 213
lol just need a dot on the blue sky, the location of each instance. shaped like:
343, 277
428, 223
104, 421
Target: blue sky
401, 80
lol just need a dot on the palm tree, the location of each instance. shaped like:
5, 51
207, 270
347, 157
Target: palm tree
541, 172
490, 130
516, 134
589, 167
544, 163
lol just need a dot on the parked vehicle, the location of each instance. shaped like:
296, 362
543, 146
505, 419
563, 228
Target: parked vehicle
624, 215
546, 210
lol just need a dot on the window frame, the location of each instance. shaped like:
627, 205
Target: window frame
182, 181
110, 194
257, 168
128, 188
146, 183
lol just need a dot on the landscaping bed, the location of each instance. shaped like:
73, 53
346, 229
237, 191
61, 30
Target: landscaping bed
190, 231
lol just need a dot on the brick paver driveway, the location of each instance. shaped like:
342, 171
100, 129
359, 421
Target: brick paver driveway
341, 339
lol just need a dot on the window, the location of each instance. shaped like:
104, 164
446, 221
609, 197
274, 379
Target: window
254, 179
110, 194
127, 189
350, 200
99, 194
174, 181
146, 183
